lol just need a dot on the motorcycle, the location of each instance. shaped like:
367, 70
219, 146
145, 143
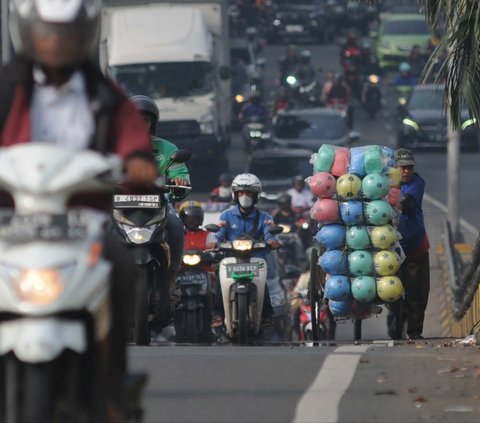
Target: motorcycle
193, 316
256, 135
242, 278
55, 300
372, 96
139, 223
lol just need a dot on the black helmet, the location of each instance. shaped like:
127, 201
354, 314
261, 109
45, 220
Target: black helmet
191, 213
148, 107
78, 19
284, 200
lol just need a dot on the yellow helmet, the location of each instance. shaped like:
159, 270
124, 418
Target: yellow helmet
190, 203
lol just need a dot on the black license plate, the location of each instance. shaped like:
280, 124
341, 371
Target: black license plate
136, 201
243, 268
45, 227
193, 279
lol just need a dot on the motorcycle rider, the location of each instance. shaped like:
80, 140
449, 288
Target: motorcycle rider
254, 109
52, 91
178, 175
302, 198
196, 238
288, 63
304, 71
244, 217
405, 78
340, 92
222, 193
282, 101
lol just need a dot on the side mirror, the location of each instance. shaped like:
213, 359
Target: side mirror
180, 156
291, 272
212, 228
354, 136
224, 72
275, 230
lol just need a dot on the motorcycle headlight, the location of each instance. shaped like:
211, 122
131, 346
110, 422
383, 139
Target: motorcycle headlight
242, 244
191, 259
291, 80
255, 134
286, 229
266, 135
139, 235
239, 98
374, 79
38, 286
410, 124
276, 22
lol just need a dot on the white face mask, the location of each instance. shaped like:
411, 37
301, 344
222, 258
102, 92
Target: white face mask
245, 201
224, 192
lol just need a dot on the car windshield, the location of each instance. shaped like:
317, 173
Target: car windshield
427, 99
270, 168
315, 127
406, 27
159, 80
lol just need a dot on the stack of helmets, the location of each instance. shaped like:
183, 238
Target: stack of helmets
356, 208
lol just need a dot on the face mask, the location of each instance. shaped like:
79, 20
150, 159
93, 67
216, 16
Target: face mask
245, 201
224, 192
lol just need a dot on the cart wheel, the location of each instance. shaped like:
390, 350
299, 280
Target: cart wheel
313, 296
357, 329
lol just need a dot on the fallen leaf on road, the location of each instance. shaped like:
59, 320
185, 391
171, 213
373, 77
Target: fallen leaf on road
382, 378
450, 370
387, 392
419, 401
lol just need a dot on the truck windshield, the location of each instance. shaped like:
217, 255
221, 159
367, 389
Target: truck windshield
160, 80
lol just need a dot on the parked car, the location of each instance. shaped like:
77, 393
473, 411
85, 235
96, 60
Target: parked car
307, 19
397, 34
422, 121
310, 128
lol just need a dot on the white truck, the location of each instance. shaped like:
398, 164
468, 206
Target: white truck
176, 52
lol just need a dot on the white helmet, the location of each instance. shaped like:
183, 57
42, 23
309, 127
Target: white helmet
77, 18
246, 182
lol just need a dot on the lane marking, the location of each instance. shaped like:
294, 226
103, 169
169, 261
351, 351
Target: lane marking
320, 402
466, 225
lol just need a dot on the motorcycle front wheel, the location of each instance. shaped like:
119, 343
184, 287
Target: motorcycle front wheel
242, 319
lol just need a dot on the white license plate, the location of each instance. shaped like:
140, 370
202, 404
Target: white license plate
294, 28
193, 279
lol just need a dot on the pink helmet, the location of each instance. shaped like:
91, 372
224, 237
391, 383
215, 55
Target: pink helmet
325, 211
322, 184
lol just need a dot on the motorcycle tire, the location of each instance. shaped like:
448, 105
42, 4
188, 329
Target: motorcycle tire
141, 332
242, 330
192, 329
313, 296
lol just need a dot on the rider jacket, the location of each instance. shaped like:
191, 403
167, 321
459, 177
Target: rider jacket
198, 240
119, 128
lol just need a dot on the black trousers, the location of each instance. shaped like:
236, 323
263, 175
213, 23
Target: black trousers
415, 276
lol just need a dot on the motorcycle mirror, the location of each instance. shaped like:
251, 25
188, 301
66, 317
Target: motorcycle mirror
354, 136
275, 230
180, 156
212, 228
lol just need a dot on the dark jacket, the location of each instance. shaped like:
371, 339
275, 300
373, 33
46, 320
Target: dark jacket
412, 226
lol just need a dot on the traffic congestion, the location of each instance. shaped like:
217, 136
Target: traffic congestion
257, 221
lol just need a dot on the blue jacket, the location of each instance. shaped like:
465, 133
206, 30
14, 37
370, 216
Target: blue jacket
412, 225
233, 223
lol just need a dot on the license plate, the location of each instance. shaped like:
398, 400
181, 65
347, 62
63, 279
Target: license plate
136, 201
243, 268
294, 28
46, 227
193, 279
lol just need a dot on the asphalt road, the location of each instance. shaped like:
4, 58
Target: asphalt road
435, 380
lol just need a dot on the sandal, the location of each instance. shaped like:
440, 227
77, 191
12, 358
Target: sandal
217, 322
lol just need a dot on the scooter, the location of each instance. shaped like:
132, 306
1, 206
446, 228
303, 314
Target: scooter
242, 278
194, 315
256, 135
139, 223
371, 95
55, 301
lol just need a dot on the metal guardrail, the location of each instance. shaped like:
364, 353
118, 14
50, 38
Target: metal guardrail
463, 280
